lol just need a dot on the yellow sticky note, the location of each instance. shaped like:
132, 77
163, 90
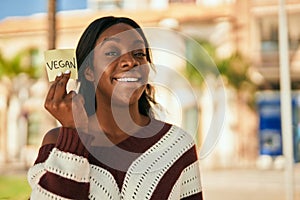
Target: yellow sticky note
60, 60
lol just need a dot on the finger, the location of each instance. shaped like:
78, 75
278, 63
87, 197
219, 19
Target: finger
79, 113
78, 103
60, 89
70, 95
78, 98
51, 91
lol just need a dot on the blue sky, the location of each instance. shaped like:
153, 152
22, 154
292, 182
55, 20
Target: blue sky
29, 7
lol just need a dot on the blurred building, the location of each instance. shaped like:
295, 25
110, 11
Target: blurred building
246, 26
264, 27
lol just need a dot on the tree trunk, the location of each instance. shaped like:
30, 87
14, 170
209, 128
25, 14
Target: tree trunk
51, 24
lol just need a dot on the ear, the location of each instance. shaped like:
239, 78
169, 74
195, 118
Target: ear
89, 74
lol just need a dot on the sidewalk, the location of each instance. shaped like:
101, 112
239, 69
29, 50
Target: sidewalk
248, 184
13, 169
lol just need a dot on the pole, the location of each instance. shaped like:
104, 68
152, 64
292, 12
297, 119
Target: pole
285, 96
51, 24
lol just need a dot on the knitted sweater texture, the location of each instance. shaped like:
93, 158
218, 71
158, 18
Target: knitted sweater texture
162, 167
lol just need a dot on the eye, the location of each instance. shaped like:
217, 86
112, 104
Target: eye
139, 54
112, 53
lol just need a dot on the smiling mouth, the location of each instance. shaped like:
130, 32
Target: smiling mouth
128, 79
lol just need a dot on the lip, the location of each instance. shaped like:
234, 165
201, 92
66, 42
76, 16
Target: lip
128, 78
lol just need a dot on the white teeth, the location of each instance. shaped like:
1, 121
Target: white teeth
127, 79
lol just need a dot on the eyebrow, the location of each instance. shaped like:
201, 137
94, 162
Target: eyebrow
109, 39
115, 39
138, 41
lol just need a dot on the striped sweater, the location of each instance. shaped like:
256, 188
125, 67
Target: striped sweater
160, 166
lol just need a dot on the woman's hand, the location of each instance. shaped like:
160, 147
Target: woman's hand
67, 108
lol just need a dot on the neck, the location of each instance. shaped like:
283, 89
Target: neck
118, 122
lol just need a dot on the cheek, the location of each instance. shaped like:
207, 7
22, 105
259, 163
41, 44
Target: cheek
103, 70
101, 62
145, 69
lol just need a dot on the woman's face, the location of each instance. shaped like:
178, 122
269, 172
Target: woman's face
120, 66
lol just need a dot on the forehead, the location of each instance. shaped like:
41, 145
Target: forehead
121, 31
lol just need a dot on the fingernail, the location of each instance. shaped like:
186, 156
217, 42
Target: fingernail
67, 71
59, 74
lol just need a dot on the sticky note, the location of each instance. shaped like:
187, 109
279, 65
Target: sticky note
60, 60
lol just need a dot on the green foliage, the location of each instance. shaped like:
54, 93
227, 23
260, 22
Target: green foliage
233, 69
22, 62
199, 64
14, 188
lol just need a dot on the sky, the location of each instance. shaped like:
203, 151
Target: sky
10, 8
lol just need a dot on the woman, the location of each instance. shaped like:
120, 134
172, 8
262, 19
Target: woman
109, 145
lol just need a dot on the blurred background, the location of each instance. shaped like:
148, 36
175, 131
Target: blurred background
241, 36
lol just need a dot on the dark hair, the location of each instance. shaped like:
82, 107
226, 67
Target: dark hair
86, 46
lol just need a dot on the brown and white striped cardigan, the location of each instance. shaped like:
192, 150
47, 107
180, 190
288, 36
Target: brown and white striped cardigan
165, 166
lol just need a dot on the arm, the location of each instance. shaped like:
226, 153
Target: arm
190, 181
61, 170
188, 185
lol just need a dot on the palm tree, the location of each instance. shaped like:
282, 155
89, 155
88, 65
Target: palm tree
235, 71
51, 24
22, 62
11, 80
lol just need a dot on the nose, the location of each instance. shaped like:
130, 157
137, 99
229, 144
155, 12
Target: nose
127, 60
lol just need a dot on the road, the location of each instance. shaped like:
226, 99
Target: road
248, 184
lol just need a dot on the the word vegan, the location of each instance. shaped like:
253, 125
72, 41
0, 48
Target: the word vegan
56, 64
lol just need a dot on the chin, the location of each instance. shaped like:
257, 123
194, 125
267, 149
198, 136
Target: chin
127, 98
124, 101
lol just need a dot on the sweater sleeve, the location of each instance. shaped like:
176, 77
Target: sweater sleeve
61, 171
190, 183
